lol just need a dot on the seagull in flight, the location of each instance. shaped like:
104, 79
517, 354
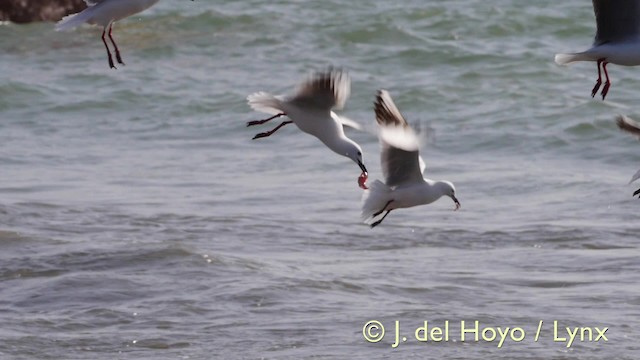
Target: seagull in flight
633, 128
105, 13
402, 167
617, 39
310, 108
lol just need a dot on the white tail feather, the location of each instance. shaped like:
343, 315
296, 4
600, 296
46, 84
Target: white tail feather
563, 59
265, 102
374, 199
73, 20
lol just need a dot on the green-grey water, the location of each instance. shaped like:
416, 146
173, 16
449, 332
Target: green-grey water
138, 220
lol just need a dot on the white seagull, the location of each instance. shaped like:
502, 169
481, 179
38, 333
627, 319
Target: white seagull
310, 108
632, 127
617, 39
105, 13
402, 167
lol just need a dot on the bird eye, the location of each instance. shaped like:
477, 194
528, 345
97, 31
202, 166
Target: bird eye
359, 153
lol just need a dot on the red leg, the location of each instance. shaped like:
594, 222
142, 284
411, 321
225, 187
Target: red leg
269, 133
259, 122
107, 47
607, 83
118, 58
599, 82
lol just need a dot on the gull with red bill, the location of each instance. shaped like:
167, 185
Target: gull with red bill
310, 108
402, 167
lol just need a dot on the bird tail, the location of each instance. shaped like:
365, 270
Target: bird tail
70, 21
375, 199
265, 102
564, 59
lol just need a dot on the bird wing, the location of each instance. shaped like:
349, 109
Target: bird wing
616, 20
345, 121
92, 2
324, 90
400, 157
628, 125
632, 127
387, 113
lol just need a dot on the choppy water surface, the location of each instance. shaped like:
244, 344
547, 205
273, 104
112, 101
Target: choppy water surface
139, 221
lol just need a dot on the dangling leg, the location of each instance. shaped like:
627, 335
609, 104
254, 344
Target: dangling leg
269, 133
599, 82
259, 122
607, 83
107, 47
379, 221
118, 58
383, 209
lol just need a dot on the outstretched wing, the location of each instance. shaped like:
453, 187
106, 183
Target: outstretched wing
625, 123
345, 121
400, 158
324, 90
387, 113
616, 20
632, 127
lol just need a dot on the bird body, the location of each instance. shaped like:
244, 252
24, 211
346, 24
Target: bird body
403, 196
625, 53
326, 126
103, 12
309, 118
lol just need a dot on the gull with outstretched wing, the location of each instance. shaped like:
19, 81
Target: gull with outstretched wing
402, 167
311, 109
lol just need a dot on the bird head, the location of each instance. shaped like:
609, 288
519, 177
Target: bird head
449, 190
